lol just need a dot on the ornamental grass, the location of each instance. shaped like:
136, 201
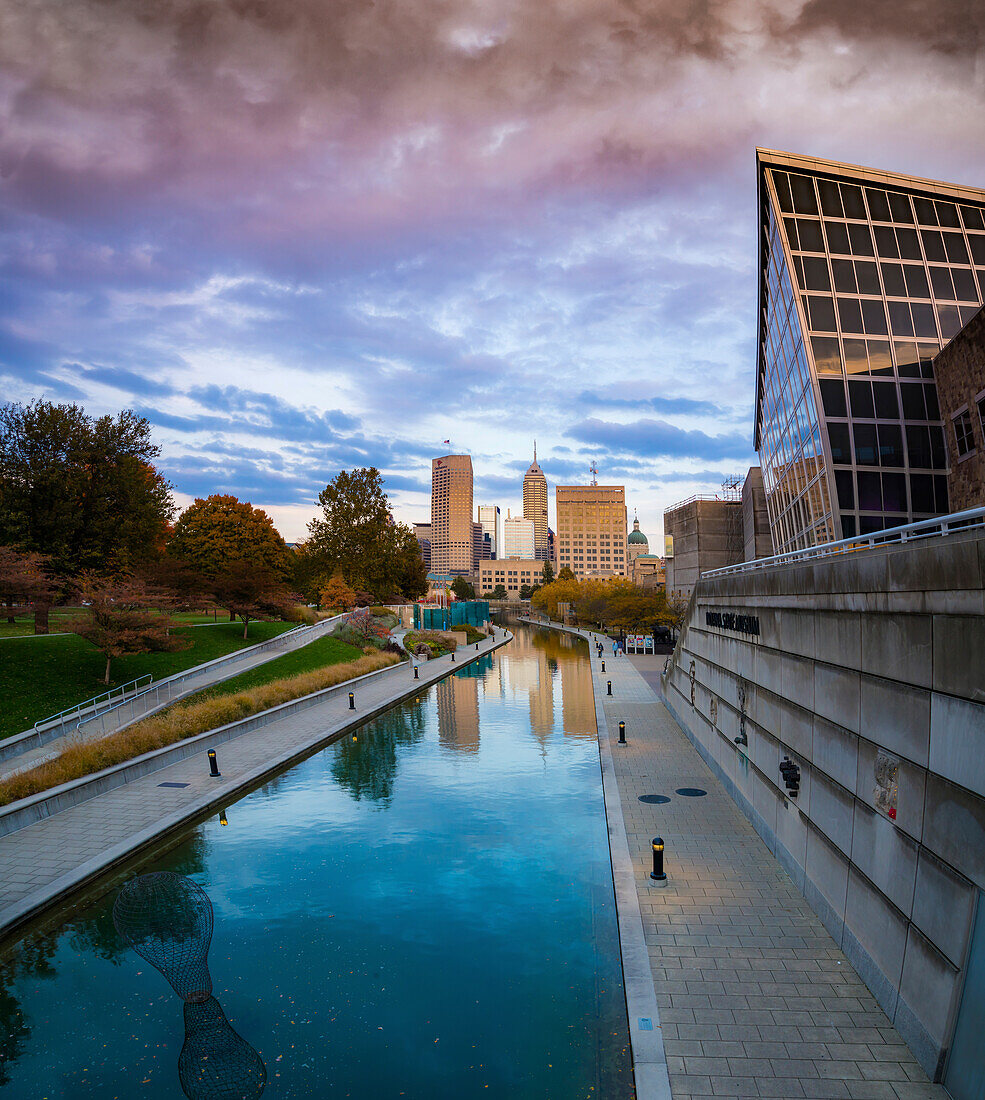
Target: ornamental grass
178, 722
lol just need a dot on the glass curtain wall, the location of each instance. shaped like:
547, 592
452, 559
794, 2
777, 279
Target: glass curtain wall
885, 277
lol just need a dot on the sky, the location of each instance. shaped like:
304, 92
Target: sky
306, 235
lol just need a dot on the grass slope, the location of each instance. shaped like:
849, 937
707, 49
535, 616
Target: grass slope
24, 624
184, 719
42, 675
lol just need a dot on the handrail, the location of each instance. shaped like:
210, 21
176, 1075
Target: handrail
168, 685
55, 719
969, 519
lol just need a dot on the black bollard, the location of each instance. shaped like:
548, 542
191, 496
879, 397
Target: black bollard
622, 733
477, 647
609, 683
352, 701
355, 738
417, 673
213, 765
453, 656
657, 874
603, 666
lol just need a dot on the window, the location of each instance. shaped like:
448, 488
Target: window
964, 436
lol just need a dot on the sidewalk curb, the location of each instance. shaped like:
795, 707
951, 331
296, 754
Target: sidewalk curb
649, 1058
14, 916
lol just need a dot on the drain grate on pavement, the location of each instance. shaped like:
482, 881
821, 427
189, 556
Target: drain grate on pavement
654, 799
691, 792
172, 784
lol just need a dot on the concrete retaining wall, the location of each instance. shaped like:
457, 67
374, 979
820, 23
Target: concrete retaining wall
868, 672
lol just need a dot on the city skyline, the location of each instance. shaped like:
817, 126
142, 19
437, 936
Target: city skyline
555, 211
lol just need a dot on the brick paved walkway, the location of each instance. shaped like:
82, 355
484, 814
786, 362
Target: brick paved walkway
46, 860
755, 998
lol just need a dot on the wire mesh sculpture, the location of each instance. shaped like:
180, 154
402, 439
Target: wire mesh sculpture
215, 1062
167, 919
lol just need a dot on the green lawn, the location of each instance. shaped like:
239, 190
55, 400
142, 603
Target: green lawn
42, 675
23, 625
317, 654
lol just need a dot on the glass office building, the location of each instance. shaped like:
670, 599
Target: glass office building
864, 276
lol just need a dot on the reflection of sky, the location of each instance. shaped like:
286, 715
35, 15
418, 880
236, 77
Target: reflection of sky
450, 928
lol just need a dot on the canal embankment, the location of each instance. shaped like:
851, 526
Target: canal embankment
754, 997
60, 840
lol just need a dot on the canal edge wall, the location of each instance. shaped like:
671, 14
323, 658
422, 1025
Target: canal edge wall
866, 672
649, 1057
16, 915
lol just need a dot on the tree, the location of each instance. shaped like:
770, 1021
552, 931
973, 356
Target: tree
251, 592
566, 573
358, 538
462, 589
563, 590
26, 583
548, 574
187, 589
82, 491
337, 594
124, 617
526, 591
499, 592
213, 533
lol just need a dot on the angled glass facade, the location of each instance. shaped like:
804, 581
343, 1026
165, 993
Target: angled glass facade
864, 276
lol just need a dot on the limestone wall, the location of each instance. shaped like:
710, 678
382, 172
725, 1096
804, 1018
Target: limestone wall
868, 672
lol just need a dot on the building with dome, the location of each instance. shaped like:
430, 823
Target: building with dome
637, 543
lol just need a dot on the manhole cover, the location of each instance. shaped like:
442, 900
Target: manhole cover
691, 792
172, 784
654, 799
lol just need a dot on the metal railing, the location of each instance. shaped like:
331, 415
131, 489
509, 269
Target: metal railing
164, 691
969, 519
93, 704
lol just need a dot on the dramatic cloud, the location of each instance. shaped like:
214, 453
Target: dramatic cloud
307, 234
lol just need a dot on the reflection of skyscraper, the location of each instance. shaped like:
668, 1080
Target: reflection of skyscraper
578, 701
458, 712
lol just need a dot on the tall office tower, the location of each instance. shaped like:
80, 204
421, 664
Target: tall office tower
535, 506
591, 529
489, 517
864, 275
477, 546
422, 532
451, 515
519, 538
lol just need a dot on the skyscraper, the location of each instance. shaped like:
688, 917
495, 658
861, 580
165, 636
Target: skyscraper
864, 275
535, 506
519, 538
451, 515
489, 517
591, 529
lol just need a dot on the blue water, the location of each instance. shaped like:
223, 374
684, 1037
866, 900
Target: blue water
426, 912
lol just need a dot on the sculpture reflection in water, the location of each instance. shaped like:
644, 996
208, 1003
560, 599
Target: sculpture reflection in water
167, 919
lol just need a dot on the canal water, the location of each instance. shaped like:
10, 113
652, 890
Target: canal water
425, 912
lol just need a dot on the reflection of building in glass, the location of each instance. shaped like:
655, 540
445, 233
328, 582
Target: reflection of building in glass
864, 275
452, 539
535, 506
960, 373
458, 712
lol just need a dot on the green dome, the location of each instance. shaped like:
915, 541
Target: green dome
638, 536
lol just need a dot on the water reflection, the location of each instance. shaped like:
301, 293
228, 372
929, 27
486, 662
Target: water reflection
367, 768
216, 1063
426, 912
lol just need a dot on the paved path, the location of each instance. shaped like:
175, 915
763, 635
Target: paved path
168, 690
46, 860
754, 997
